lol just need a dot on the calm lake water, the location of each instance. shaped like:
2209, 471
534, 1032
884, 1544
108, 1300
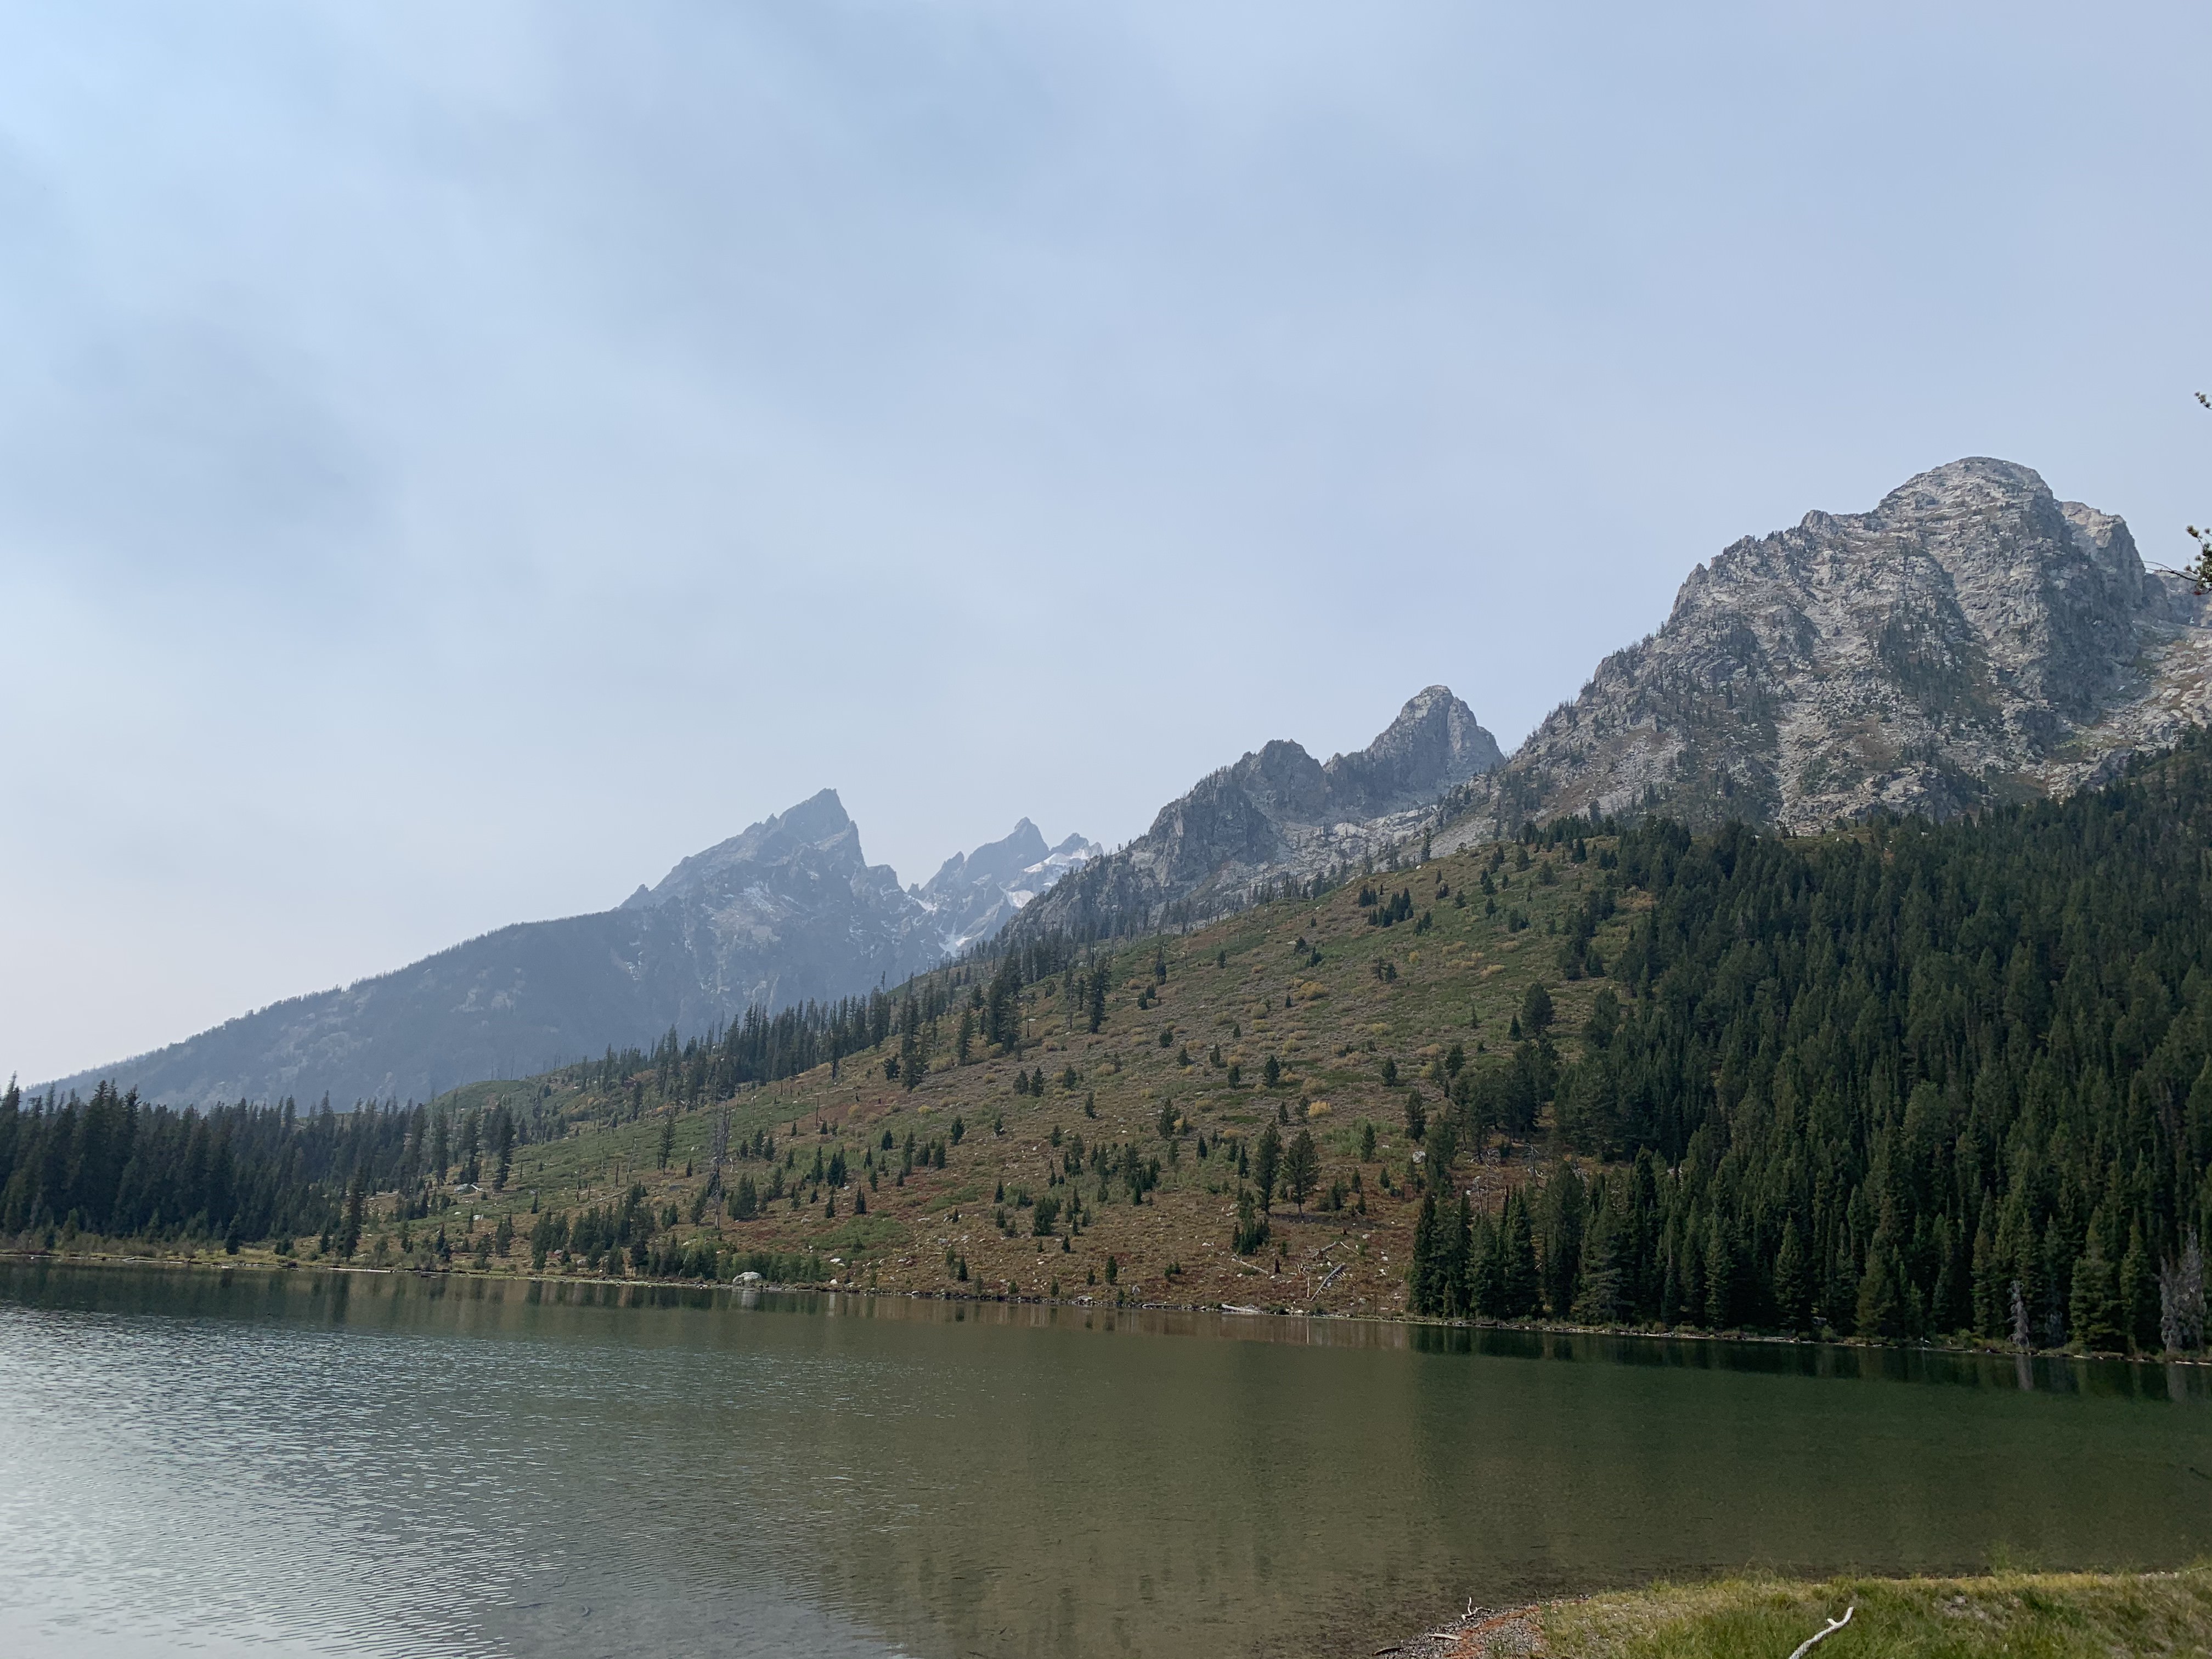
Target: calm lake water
271, 1464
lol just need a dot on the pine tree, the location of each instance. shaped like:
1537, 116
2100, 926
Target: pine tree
1793, 1285
1267, 1164
1456, 1259
1880, 1309
1422, 1293
348, 1237
2138, 1293
1535, 1009
1598, 1296
1520, 1290
2093, 1304
1251, 1225
1301, 1168
1444, 1149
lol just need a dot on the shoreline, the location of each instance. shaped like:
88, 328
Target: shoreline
1762, 1615
221, 1263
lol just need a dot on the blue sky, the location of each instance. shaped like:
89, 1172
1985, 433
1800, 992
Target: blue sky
456, 461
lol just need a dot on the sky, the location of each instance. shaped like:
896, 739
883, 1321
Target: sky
457, 460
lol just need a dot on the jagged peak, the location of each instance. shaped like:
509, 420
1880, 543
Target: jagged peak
1434, 744
819, 823
1967, 638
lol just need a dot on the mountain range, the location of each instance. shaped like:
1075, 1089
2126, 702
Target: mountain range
787, 912
1971, 640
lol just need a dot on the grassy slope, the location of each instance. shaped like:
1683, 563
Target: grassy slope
1342, 1022
2019, 1615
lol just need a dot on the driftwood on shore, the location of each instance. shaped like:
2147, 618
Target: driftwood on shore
1820, 1636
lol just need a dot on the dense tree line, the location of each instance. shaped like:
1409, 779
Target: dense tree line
116, 1166
1912, 1079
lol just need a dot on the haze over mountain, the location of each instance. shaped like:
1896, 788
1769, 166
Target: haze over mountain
1972, 639
788, 911
973, 895
1276, 812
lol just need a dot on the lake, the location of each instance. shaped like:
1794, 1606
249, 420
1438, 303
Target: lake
276, 1463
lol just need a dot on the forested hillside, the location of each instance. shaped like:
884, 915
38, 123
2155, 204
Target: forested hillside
1908, 1080
1905, 1080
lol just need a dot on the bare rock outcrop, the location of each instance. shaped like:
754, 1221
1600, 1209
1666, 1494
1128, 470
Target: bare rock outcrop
1971, 640
1276, 812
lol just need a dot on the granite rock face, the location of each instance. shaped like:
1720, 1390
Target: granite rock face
1276, 812
789, 911
1971, 640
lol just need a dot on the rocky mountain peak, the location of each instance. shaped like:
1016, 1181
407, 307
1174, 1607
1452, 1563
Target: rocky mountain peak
1020, 848
1435, 742
1952, 646
973, 895
1278, 811
785, 912
817, 833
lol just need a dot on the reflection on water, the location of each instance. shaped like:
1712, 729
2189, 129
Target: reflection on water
376, 1464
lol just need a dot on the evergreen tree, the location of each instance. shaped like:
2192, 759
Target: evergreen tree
1267, 1164
1301, 1168
2094, 1304
1251, 1225
1599, 1295
1423, 1290
2138, 1289
348, 1237
1519, 1290
1880, 1309
1455, 1265
1793, 1284
1536, 1008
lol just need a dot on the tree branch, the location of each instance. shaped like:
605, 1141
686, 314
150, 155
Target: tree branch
1819, 1637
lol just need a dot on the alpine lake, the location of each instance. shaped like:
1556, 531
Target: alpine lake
250, 1462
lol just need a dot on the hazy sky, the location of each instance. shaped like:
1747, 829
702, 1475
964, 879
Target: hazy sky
456, 461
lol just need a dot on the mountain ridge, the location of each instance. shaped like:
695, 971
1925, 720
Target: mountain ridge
1276, 811
788, 911
1969, 638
